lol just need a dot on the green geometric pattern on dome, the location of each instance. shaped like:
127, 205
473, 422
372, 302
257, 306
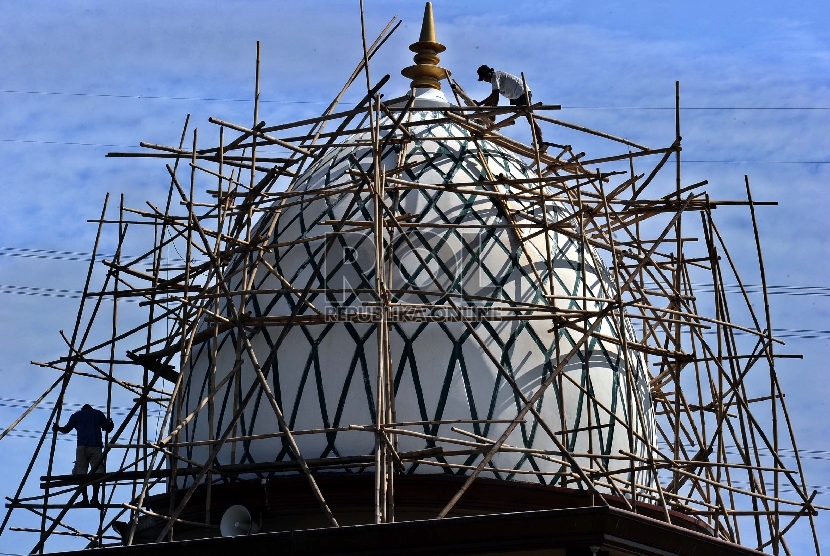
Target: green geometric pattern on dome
324, 375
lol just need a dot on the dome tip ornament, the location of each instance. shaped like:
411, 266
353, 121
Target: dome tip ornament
426, 72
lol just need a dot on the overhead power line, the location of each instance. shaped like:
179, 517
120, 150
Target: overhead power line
673, 108
51, 254
41, 292
287, 101
161, 97
819, 291
756, 161
49, 292
41, 142
64, 404
107, 145
808, 334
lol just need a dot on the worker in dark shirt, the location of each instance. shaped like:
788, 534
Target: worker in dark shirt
89, 458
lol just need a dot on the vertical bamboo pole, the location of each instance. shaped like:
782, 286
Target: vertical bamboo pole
542, 187
184, 317
221, 204
771, 363
249, 256
383, 348
246, 269
380, 332
390, 256
387, 370
676, 275
586, 368
723, 338
256, 120
111, 369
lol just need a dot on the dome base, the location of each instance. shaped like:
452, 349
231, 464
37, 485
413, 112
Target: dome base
287, 503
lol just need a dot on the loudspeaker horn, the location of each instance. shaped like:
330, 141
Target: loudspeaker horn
237, 521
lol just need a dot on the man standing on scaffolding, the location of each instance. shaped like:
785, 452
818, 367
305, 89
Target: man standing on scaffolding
89, 457
513, 90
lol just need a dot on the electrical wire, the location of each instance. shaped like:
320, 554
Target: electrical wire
25, 404
51, 254
49, 292
284, 101
162, 97
757, 161
673, 108
42, 142
805, 333
41, 292
65, 404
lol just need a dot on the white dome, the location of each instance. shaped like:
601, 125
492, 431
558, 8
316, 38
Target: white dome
324, 375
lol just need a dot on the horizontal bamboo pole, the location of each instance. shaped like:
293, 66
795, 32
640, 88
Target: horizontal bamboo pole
592, 132
233, 469
226, 159
300, 432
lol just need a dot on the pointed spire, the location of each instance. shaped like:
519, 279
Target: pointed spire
426, 72
428, 25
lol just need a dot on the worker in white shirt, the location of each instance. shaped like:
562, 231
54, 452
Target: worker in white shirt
513, 90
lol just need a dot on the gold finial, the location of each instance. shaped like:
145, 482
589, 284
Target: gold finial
427, 25
426, 72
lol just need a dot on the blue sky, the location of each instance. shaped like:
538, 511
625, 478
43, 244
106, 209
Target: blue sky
612, 65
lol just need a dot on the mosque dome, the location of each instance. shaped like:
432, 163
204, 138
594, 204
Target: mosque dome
456, 243
324, 373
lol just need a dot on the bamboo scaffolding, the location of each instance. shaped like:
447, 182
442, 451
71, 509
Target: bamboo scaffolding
720, 448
